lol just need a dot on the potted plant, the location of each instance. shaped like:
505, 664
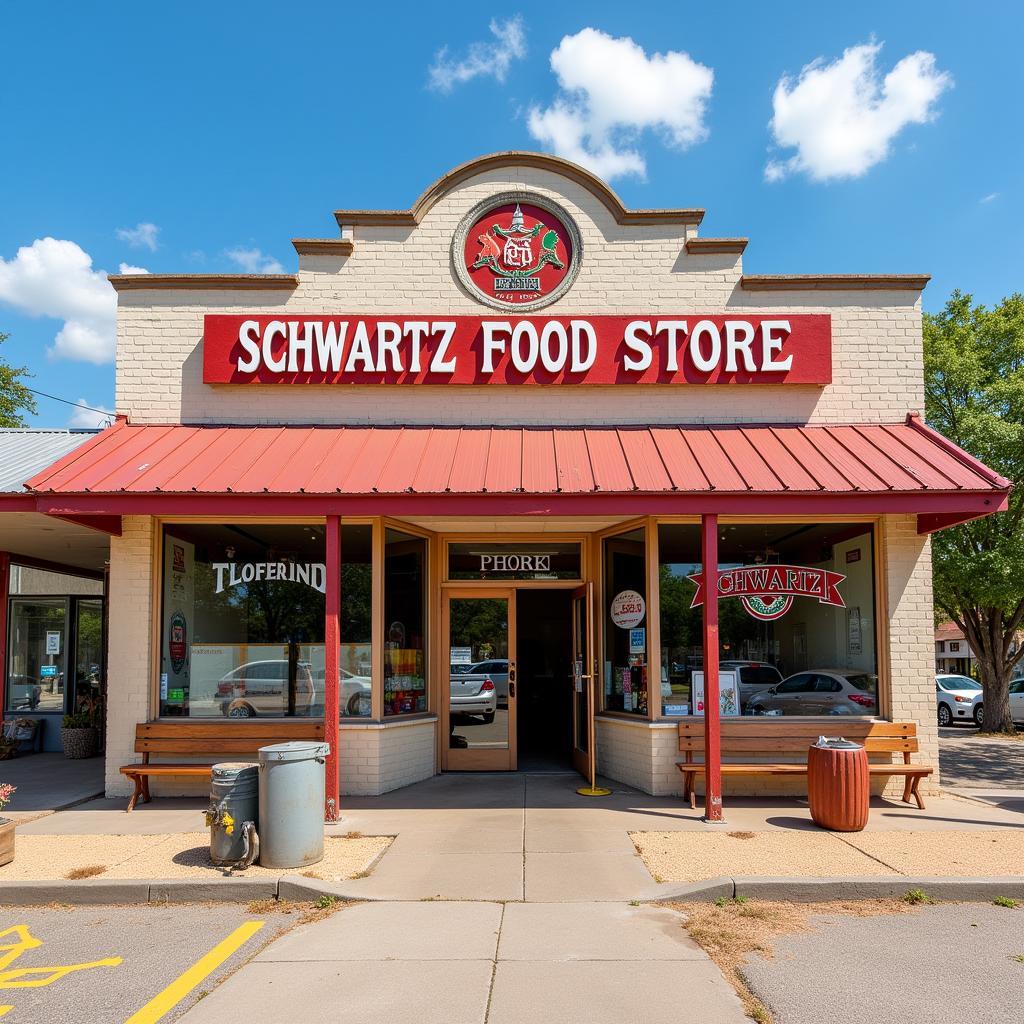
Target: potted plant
6, 826
78, 731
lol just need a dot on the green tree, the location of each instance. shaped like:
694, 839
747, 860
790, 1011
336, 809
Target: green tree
15, 397
974, 395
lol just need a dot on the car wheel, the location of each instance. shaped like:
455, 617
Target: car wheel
241, 711
488, 718
945, 715
359, 705
979, 716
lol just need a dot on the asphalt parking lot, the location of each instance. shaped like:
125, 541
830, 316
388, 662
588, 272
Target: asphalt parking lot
107, 965
944, 965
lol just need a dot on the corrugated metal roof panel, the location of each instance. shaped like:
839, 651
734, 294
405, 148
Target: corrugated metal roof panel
27, 452
905, 458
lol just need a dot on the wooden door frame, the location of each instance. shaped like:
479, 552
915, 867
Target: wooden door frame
585, 763
476, 760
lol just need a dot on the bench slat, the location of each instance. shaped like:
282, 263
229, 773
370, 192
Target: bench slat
190, 729
799, 745
768, 726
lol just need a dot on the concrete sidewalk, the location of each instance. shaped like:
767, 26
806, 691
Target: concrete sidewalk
466, 963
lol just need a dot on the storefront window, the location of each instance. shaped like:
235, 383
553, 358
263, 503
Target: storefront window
796, 619
37, 657
524, 561
242, 621
405, 683
625, 623
356, 660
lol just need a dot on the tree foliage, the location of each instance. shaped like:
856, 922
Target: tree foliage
15, 397
974, 395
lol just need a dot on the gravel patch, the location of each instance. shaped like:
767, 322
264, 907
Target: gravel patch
179, 855
696, 856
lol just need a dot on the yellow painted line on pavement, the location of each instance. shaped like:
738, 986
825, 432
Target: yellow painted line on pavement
159, 1006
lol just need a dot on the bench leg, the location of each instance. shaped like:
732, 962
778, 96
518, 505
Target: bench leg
146, 798
689, 790
916, 792
139, 791
908, 788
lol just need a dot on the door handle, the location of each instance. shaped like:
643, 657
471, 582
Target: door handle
511, 688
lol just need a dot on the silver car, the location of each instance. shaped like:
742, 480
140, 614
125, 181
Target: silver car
820, 691
495, 669
959, 699
473, 695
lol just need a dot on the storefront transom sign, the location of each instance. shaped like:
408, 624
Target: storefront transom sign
767, 591
684, 348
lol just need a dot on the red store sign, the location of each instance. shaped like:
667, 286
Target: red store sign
357, 349
767, 591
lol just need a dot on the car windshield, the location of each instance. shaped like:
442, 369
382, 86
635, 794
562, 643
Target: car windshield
864, 682
460, 670
959, 683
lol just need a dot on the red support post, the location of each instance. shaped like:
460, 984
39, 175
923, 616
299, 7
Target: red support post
332, 652
5, 587
712, 715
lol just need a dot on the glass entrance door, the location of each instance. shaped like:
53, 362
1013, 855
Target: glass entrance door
37, 655
479, 628
584, 680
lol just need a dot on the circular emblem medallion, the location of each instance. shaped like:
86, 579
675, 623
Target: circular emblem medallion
628, 609
517, 250
767, 608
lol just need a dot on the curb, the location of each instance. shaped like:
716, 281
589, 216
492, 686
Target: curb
813, 890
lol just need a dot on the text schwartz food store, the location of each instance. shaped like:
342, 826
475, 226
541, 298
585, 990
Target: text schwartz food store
453, 485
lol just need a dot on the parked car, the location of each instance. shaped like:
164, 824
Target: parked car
1017, 701
474, 694
496, 669
754, 677
261, 688
959, 699
826, 691
355, 695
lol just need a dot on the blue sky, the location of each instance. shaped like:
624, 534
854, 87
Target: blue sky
233, 128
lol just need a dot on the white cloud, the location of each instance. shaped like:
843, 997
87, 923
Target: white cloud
90, 418
486, 58
127, 268
142, 236
842, 117
989, 198
611, 91
253, 261
54, 278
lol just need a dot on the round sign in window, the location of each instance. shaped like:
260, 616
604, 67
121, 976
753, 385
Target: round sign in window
517, 251
628, 609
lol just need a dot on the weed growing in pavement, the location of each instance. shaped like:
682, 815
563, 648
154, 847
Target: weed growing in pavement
730, 930
915, 897
1005, 901
634, 903
325, 902
362, 874
87, 872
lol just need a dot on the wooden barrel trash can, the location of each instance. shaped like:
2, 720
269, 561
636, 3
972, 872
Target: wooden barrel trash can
838, 784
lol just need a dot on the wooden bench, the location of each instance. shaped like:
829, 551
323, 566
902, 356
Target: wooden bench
217, 741
770, 736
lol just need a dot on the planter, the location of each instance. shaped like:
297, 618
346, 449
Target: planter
6, 841
80, 743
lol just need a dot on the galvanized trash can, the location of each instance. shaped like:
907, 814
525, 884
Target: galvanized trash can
232, 817
292, 804
838, 784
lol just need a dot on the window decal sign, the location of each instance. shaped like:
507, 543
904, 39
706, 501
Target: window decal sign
627, 609
767, 591
231, 574
678, 348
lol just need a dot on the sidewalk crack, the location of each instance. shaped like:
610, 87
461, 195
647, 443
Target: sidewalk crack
870, 856
494, 966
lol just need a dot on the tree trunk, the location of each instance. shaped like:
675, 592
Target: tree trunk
984, 630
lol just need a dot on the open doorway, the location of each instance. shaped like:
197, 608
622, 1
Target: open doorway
545, 674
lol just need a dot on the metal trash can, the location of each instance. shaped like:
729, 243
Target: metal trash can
838, 784
292, 804
233, 813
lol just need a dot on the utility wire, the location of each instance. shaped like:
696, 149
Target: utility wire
77, 405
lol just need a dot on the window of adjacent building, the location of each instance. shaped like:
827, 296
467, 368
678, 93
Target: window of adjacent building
810, 652
405, 623
242, 621
625, 623
37, 654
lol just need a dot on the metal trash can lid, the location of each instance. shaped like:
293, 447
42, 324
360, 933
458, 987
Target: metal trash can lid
837, 743
233, 767
293, 750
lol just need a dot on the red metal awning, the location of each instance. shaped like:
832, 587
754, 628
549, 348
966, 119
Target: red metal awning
353, 470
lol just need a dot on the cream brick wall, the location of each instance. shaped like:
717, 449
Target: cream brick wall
376, 759
637, 269
128, 669
645, 757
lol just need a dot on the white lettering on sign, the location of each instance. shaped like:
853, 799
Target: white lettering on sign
231, 574
515, 563
599, 350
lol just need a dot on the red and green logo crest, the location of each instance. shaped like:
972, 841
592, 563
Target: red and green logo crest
517, 252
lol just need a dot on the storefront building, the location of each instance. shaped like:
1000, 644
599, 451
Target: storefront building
454, 483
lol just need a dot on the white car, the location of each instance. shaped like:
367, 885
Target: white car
959, 699
754, 677
473, 695
1017, 701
